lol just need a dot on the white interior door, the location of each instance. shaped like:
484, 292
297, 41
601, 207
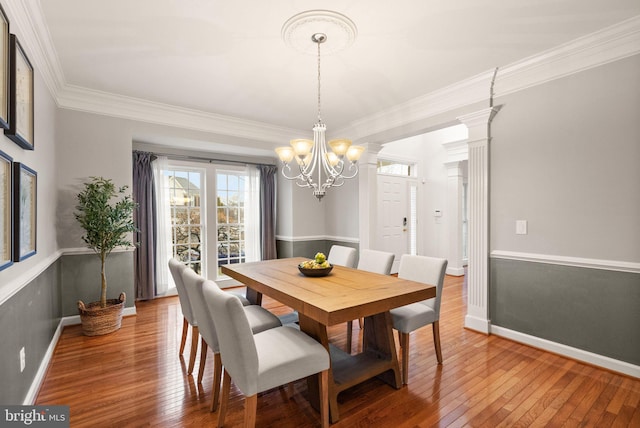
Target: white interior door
393, 216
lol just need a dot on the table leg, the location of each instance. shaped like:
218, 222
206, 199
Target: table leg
378, 339
319, 332
254, 297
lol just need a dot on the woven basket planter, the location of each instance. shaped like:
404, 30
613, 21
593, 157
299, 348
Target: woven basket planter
97, 321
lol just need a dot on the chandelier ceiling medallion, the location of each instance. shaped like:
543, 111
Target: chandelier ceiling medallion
319, 166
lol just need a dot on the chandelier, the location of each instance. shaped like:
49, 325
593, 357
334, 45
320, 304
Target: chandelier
320, 167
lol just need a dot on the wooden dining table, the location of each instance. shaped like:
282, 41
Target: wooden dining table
345, 294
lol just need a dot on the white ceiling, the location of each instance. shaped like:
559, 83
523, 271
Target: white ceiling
228, 57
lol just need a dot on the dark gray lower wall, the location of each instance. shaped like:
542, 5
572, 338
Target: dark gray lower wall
81, 279
308, 249
28, 319
590, 309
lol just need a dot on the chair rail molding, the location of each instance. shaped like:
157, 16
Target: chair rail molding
479, 125
613, 265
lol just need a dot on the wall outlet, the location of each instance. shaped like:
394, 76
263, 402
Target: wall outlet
23, 359
521, 227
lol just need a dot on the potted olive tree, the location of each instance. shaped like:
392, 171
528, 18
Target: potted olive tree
107, 224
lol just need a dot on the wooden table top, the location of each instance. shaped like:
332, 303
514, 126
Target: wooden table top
344, 295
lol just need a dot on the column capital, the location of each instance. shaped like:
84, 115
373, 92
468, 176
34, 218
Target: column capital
370, 155
457, 151
479, 118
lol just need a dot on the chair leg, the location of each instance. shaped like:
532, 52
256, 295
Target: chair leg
349, 334
217, 374
290, 390
195, 335
324, 398
361, 322
185, 329
436, 340
224, 399
404, 344
250, 407
203, 359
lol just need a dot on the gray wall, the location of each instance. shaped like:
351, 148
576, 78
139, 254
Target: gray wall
308, 248
594, 310
30, 293
29, 319
564, 157
80, 274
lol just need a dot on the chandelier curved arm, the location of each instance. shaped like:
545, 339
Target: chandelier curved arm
352, 166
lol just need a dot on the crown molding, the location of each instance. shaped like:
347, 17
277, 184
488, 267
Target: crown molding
92, 101
607, 45
470, 91
610, 44
28, 23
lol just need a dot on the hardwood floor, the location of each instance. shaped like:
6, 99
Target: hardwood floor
134, 377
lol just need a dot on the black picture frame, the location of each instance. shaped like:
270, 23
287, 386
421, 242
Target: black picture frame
21, 121
25, 186
6, 211
4, 69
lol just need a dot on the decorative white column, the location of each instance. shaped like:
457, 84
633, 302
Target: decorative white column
455, 177
457, 155
368, 195
478, 123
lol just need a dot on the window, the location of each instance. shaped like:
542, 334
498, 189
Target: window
211, 216
395, 168
230, 205
186, 216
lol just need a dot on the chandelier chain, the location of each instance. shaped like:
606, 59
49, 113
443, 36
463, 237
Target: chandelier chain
319, 117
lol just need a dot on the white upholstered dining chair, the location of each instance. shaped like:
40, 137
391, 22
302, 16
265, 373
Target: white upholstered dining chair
371, 261
265, 360
188, 318
429, 270
259, 319
342, 256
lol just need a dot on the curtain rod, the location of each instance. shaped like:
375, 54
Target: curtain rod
209, 160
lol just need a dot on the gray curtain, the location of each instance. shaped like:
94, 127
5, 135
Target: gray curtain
268, 211
145, 220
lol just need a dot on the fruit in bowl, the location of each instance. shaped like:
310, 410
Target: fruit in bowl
319, 262
319, 266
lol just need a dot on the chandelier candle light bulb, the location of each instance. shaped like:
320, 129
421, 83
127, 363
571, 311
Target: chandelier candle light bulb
320, 167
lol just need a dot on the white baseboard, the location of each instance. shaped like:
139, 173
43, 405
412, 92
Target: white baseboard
30, 399
568, 351
455, 271
477, 324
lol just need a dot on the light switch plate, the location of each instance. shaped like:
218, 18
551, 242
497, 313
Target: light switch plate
521, 227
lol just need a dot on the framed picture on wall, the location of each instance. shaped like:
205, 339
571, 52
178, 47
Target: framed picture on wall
20, 96
24, 209
4, 69
6, 211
